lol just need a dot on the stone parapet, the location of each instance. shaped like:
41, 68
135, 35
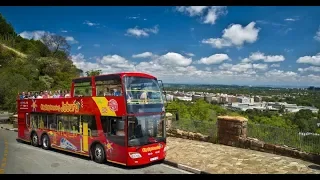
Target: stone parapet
230, 129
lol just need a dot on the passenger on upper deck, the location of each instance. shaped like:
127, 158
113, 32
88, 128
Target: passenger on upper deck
56, 94
22, 95
40, 95
45, 95
67, 94
117, 92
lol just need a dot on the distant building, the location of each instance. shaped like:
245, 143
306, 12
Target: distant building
208, 98
244, 100
184, 98
257, 99
232, 99
196, 97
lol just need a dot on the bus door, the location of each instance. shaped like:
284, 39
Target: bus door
84, 138
88, 131
115, 147
23, 125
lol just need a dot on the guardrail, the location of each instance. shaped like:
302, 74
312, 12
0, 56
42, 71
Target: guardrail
293, 138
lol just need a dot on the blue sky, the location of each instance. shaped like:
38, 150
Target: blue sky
197, 44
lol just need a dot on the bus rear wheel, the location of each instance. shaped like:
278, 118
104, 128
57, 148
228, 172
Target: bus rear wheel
46, 142
34, 139
98, 154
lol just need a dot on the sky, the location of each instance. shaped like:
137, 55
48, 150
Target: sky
186, 44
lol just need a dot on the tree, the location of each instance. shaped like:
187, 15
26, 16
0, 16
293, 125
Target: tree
5, 27
56, 43
94, 72
305, 121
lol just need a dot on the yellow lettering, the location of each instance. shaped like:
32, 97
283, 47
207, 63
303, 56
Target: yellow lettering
3, 165
65, 107
1, 171
148, 149
4, 159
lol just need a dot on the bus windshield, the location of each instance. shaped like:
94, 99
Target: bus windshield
143, 95
143, 130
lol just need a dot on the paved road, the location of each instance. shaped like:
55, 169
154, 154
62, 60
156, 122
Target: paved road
20, 158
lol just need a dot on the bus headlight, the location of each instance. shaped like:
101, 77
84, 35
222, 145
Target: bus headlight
165, 148
134, 155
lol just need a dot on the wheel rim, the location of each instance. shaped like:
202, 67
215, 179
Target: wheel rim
98, 153
45, 142
35, 139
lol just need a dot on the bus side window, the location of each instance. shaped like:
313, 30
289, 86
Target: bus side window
83, 88
74, 124
52, 121
109, 88
63, 123
34, 120
92, 125
43, 121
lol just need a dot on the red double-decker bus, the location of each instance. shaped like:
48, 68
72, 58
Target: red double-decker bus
115, 117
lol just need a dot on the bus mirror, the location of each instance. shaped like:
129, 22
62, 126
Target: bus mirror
177, 116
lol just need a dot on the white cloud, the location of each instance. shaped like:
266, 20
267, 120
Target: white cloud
288, 50
213, 14
275, 65
169, 68
142, 32
310, 69
71, 40
79, 47
317, 36
214, 59
80, 62
36, 35
291, 19
64, 31
312, 60
192, 10
209, 14
143, 55
133, 17
112, 59
243, 67
235, 35
190, 54
258, 56
217, 42
90, 23
172, 58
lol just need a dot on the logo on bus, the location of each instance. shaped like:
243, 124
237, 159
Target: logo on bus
113, 105
64, 107
154, 148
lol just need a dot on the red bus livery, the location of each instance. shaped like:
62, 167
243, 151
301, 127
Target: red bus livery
115, 117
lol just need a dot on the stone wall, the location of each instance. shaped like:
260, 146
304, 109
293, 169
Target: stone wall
232, 131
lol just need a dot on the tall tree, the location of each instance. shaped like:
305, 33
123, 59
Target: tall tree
94, 72
56, 43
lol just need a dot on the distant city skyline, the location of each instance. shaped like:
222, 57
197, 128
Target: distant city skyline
278, 46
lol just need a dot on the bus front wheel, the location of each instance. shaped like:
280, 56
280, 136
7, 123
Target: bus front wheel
98, 154
34, 139
45, 142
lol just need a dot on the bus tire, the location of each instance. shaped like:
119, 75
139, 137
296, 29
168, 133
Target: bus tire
98, 153
45, 142
34, 139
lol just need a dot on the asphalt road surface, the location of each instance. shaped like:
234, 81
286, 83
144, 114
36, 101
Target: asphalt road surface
22, 158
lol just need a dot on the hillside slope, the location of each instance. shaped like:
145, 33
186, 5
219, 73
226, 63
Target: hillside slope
28, 65
18, 53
